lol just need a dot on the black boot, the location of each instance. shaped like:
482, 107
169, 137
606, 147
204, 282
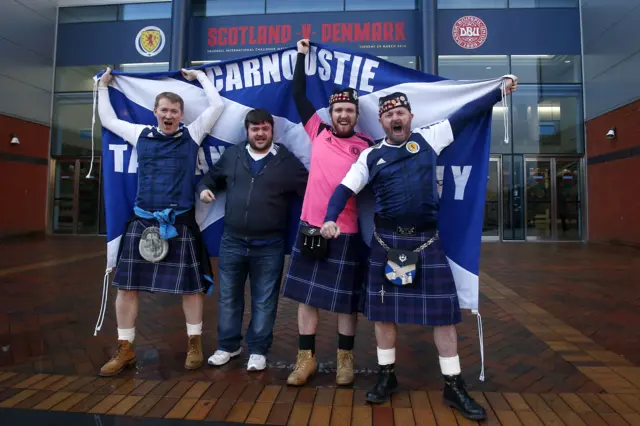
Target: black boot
387, 383
455, 395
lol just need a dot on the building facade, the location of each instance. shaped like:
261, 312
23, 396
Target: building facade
537, 185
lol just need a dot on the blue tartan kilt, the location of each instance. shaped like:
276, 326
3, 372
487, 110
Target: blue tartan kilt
431, 299
333, 284
181, 272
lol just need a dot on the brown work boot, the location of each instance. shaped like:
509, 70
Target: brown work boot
125, 355
195, 358
344, 375
306, 366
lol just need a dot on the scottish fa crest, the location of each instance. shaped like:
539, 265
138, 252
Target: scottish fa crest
150, 41
413, 147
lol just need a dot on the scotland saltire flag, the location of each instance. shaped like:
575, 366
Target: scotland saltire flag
265, 81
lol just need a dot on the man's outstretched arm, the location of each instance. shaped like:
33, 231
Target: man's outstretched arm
202, 125
442, 134
303, 104
127, 131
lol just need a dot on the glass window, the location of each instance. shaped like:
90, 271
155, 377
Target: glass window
473, 67
547, 119
546, 68
71, 133
68, 15
77, 79
472, 4
380, 5
144, 67
227, 7
405, 61
287, 6
133, 12
543, 3
198, 63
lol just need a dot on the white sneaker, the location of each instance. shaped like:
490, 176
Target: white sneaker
222, 357
257, 363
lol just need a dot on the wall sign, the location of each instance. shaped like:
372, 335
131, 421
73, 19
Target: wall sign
469, 32
150, 41
392, 33
537, 31
128, 42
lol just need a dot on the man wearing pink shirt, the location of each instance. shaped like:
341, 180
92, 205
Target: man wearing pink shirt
326, 274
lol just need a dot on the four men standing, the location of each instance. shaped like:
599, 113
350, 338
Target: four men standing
327, 269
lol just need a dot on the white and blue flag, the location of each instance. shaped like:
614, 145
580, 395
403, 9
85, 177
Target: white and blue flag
265, 81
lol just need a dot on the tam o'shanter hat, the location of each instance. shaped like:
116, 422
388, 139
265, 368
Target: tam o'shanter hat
394, 100
344, 95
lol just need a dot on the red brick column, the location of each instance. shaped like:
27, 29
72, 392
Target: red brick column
614, 176
23, 177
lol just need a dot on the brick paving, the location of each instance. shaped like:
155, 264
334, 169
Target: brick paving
557, 318
592, 287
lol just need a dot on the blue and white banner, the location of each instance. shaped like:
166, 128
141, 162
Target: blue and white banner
265, 81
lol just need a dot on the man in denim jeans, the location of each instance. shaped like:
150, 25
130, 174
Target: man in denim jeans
260, 179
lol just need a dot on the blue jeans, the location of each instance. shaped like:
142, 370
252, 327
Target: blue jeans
263, 264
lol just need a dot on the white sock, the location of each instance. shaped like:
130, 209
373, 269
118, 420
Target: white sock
450, 366
194, 329
127, 334
386, 356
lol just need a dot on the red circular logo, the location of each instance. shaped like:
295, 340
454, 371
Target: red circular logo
354, 150
469, 32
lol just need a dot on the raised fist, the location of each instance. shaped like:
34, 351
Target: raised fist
303, 46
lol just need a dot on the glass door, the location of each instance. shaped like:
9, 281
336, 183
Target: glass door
64, 214
568, 199
76, 204
493, 204
554, 198
539, 210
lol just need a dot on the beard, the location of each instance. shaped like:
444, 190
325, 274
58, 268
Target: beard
260, 145
398, 132
344, 128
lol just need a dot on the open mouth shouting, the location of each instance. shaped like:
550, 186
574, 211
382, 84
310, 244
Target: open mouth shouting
397, 129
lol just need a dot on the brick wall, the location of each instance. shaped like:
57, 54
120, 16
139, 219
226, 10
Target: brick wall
23, 177
614, 176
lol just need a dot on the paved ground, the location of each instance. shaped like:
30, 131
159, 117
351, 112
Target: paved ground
560, 337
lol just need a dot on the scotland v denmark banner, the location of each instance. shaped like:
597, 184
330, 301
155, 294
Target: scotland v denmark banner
265, 81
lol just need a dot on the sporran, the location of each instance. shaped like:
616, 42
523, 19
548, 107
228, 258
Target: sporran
402, 265
152, 247
314, 245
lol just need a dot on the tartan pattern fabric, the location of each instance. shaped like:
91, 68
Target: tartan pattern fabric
178, 273
334, 284
165, 169
432, 299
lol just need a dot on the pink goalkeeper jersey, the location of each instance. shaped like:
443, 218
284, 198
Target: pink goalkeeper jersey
331, 159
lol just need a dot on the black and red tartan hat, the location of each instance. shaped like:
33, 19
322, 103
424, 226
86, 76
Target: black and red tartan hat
394, 100
344, 95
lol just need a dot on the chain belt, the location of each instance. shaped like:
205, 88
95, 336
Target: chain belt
419, 249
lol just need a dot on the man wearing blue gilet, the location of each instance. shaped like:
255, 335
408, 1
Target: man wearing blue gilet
162, 249
401, 171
